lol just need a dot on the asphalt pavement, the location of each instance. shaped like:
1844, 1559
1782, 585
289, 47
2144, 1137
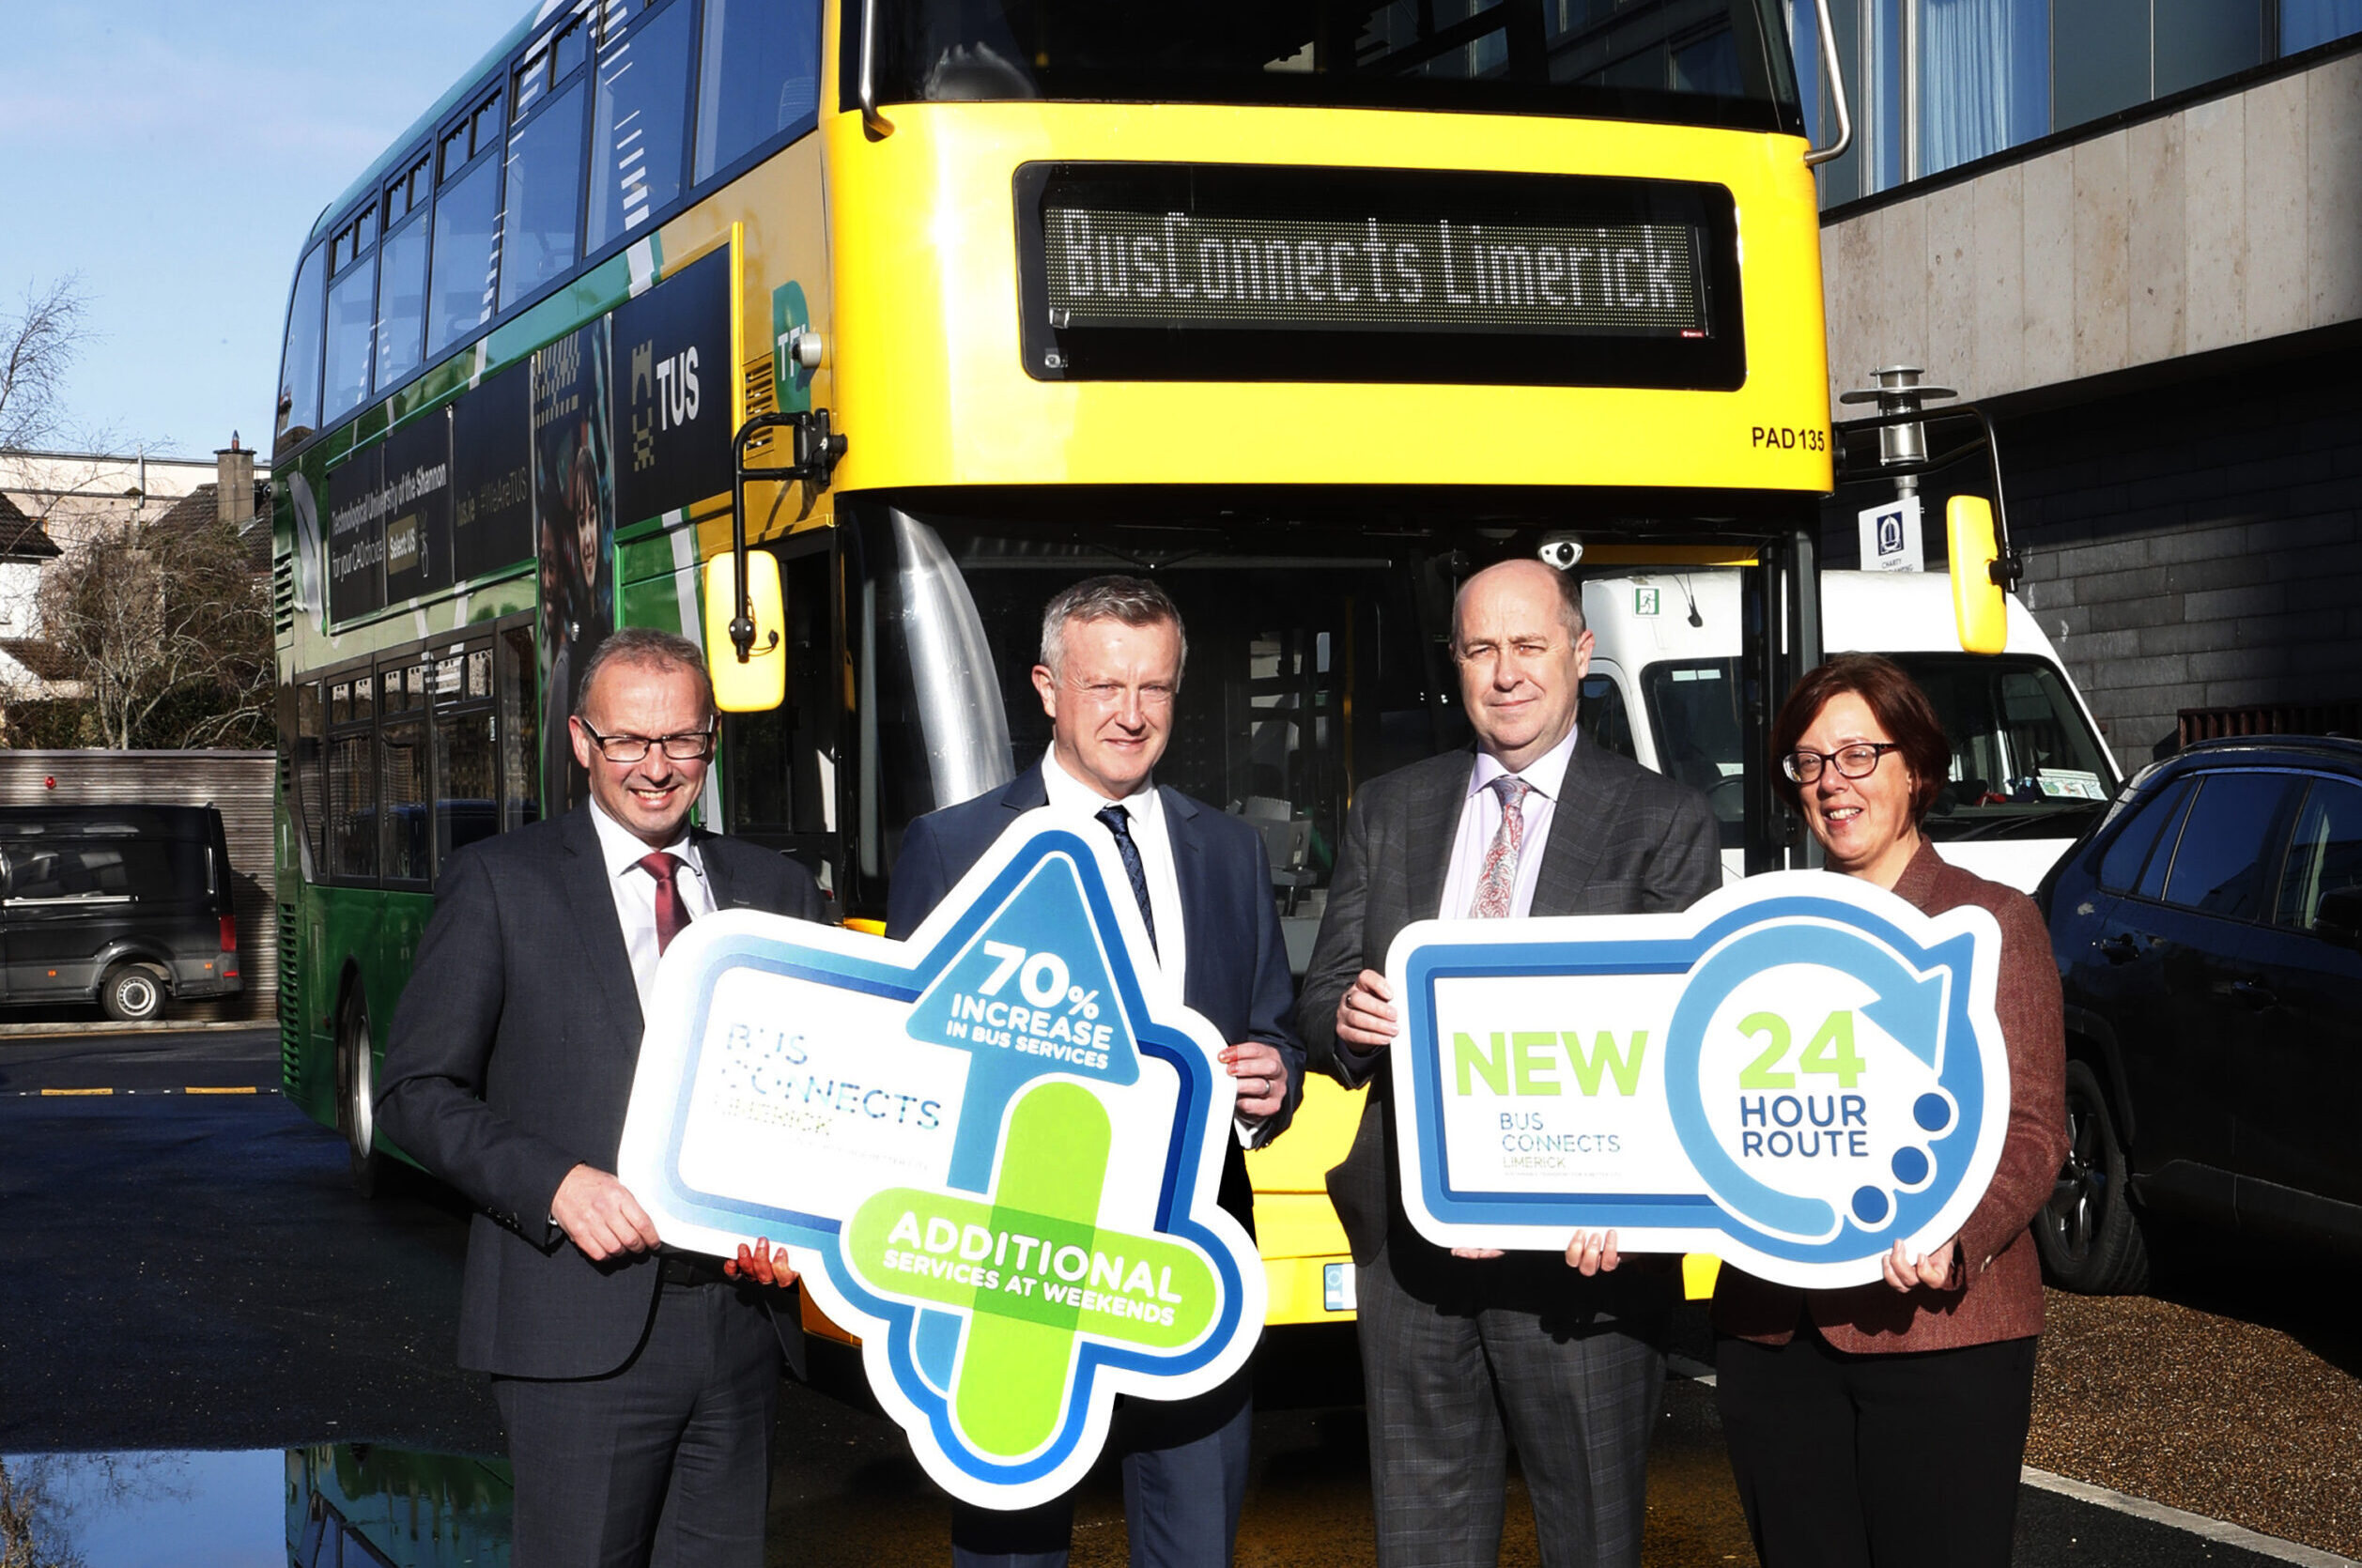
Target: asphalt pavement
184, 1266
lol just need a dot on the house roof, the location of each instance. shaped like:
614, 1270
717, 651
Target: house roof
22, 538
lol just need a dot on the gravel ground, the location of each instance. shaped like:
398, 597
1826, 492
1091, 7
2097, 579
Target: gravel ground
2238, 1398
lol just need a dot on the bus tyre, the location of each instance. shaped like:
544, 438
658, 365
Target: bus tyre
2088, 1235
356, 1098
133, 993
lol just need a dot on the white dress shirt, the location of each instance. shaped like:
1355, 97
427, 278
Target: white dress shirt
1480, 819
635, 891
1079, 804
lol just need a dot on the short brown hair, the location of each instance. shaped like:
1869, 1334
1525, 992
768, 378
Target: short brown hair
1895, 701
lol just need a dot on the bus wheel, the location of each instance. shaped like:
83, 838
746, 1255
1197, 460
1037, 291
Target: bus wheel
133, 993
2088, 1235
356, 1096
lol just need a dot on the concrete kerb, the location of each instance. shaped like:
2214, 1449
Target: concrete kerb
2198, 1525
167, 1027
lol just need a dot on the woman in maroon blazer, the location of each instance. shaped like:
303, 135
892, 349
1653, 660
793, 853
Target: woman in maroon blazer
1884, 1424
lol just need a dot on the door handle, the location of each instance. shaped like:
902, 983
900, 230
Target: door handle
2120, 949
2255, 994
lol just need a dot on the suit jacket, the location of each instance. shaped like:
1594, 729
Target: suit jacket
511, 1062
1623, 841
1998, 1292
1238, 977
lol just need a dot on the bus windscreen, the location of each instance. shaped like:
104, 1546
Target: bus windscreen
1702, 62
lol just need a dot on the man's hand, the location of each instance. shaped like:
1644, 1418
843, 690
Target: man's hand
1262, 1078
1592, 1252
1366, 1014
600, 1215
761, 1265
1904, 1271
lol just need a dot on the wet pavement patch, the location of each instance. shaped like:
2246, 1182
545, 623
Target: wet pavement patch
189, 1509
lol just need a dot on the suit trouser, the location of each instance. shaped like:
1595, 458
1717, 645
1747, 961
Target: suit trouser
1184, 1482
1848, 1461
1451, 1378
667, 1461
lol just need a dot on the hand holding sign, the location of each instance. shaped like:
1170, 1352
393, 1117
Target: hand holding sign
992, 1151
1799, 1074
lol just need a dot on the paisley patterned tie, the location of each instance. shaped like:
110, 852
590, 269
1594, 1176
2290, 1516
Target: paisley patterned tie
1496, 889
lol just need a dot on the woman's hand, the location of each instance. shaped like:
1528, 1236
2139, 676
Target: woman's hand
761, 1265
1592, 1252
1906, 1271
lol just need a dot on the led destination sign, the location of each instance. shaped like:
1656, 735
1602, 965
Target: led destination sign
1111, 267
1165, 271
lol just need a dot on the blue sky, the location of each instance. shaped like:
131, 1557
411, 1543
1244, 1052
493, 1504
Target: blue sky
174, 155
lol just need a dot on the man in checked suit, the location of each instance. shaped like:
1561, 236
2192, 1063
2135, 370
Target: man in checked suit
637, 1384
1112, 651
1464, 1353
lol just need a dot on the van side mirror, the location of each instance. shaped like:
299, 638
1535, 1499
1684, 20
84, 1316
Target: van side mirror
756, 681
1979, 607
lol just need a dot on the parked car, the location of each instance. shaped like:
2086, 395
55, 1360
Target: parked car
2209, 937
123, 905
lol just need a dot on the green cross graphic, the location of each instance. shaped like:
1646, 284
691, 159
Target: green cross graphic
1032, 1270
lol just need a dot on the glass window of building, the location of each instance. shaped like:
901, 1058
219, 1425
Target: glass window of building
2308, 23
760, 76
639, 128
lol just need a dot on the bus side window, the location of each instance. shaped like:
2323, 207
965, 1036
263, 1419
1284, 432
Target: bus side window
467, 220
539, 235
467, 754
402, 287
402, 791
353, 308
310, 741
640, 119
518, 726
760, 77
353, 816
299, 361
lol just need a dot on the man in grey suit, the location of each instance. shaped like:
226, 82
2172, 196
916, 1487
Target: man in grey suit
638, 1384
1464, 1353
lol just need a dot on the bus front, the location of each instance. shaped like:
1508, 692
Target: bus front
1305, 311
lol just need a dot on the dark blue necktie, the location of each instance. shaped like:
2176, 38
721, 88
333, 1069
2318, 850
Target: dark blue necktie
1119, 823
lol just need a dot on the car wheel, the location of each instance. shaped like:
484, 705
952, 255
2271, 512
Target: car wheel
2088, 1235
357, 1097
133, 993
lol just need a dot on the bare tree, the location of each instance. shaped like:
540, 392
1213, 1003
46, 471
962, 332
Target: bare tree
37, 347
169, 629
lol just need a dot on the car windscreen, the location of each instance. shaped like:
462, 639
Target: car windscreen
2025, 761
1697, 62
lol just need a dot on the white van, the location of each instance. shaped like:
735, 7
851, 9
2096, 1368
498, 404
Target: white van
2028, 769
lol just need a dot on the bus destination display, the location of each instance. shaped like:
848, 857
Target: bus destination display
1113, 267
1188, 272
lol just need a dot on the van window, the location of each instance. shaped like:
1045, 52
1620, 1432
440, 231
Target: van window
111, 870
2020, 744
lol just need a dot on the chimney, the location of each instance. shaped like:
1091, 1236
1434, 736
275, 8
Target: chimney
234, 483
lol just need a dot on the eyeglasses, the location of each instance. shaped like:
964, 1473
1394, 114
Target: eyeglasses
688, 746
1853, 762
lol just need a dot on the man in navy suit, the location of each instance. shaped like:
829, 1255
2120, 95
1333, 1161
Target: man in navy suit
1112, 651
638, 1384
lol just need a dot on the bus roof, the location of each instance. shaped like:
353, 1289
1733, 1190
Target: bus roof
425, 124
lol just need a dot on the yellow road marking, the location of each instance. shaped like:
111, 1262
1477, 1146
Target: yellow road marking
228, 1089
77, 1091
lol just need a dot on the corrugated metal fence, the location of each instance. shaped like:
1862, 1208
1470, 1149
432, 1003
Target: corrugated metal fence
238, 782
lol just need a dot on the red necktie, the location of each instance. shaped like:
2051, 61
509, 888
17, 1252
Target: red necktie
673, 911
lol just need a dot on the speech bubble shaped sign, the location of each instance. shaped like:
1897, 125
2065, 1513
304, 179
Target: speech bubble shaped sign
1795, 1074
992, 1150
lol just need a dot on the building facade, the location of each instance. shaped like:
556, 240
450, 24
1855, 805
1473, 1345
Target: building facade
2143, 256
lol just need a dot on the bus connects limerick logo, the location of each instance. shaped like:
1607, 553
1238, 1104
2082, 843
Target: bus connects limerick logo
993, 1150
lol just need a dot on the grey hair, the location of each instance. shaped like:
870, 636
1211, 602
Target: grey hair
1134, 601
1569, 597
650, 648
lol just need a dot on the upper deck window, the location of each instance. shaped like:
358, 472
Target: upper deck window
541, 236
467, 226
1707, 62
402, 281
352, 306
760, 76
639, 132
299, 361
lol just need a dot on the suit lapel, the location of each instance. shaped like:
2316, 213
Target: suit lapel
718, 882
595, 920
1434, 825
1584, 802
1189, 856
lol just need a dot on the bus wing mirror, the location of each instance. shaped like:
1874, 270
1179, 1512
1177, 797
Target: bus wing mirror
1979, 607
755, 681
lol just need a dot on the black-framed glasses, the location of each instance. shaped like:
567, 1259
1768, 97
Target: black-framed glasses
1853, 762
689, 745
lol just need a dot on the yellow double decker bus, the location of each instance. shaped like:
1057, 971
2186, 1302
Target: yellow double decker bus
1304, 308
